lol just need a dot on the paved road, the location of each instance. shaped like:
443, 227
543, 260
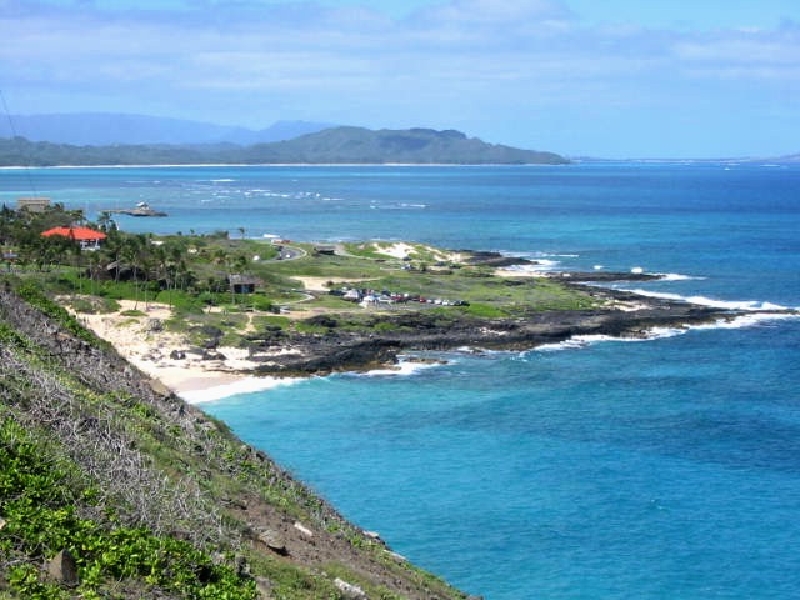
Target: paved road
290, 253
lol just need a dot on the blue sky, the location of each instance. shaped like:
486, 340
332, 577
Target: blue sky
613, 78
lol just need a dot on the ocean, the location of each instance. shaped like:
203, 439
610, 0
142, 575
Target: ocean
666, 468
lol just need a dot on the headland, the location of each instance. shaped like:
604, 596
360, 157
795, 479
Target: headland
344, 324
193, 318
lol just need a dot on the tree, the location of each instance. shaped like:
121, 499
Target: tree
76, 249
104, 221
241, 263
77, 216
129, 253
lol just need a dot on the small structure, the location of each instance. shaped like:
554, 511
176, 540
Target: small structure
326, 250
8, 258
142, 209
243, 284
119, 271
33, 203
89, 239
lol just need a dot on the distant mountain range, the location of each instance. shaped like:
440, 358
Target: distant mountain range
414, 146
336, 145
790, 158
766, 161
106, 129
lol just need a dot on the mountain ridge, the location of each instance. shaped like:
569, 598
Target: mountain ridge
336, 145
103, 129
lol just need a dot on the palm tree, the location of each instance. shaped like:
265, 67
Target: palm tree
77, 216
94, 262
113, 249
104, 221
75, 249
129, 252
241, 263
147, 266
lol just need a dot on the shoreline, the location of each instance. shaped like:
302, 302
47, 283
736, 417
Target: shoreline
199, 377
239, 165
245, 384
193, 378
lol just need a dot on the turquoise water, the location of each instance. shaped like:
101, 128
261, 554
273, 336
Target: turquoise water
667, 468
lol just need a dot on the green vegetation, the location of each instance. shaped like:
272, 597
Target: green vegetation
336, 145
134, 490
193, 274
39, 498
150, 496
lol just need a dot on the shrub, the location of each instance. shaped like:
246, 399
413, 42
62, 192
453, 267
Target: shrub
39, 508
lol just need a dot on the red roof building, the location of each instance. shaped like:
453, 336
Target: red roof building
88, 238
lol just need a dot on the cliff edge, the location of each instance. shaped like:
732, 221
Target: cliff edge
113, 487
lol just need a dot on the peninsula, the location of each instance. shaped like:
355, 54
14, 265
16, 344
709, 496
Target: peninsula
120, 488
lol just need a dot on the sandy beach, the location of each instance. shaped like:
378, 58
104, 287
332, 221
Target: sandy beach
148, 347
401, 250
136, 331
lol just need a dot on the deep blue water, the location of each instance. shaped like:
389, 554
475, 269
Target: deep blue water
667, 468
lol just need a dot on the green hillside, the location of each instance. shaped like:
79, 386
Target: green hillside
338, 145
112, 487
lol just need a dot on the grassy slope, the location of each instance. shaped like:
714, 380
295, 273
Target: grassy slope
140, 484
152, 496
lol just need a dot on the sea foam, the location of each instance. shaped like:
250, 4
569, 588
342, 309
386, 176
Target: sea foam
246, 385
751, 305
404, 367
679, 277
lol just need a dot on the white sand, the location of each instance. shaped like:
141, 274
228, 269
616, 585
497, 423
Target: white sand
401, 250
240, 385
193, 379
397, 250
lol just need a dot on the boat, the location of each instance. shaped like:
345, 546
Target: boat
142, 209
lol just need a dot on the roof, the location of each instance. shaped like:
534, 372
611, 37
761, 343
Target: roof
80, 234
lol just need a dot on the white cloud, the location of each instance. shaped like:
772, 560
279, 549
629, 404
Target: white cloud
512, 41
460, 60
493, 12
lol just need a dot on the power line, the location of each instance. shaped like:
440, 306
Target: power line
14, 137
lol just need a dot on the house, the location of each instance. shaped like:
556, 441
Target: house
33, 203
89, 239
243, 284
8, 258
326, 250
120, 272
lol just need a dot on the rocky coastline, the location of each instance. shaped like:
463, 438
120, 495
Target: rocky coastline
124, 427
627, 315
164, 465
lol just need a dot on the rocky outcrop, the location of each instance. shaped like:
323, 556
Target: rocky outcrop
603, 276
63, 569
408, 331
